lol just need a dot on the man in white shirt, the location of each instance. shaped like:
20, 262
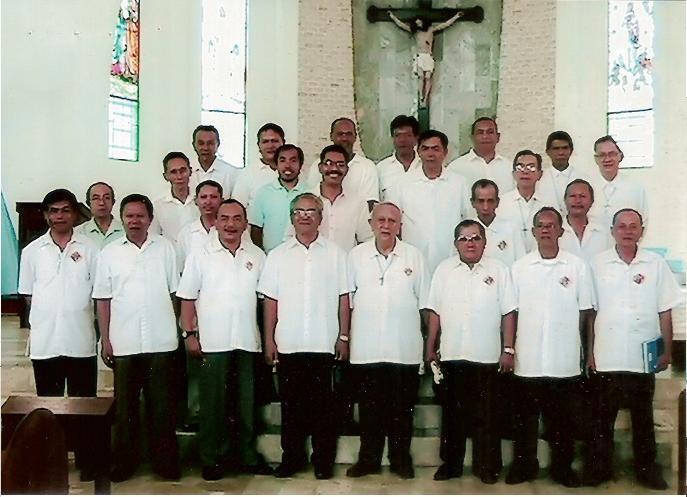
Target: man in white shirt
636, 294
196, 234
136, 278
582, 237
268, 215
209, 166
554, 292
433, 200
613, 190
264, 171
362, 178
504, 240
472, 331
482, 161
519, 205
103, 227
390, 284
306, 319
345, 216
218, 315
559, 148
56, 275
175, 209
404, 133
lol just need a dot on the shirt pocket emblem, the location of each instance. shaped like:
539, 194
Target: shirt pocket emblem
76, 257
489, 280
249, 265
408, 271
502, 245
638, 278
564, 281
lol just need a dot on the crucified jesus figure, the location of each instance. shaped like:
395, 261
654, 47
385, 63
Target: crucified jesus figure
423, 32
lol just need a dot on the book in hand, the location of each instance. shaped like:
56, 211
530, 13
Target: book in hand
651, 351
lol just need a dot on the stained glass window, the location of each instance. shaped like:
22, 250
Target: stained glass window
630, 80
224, 75
124, 75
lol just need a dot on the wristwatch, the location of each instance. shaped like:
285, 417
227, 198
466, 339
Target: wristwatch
185, 334
343, 338
509, 350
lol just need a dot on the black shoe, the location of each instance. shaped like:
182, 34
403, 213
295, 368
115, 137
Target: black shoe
324, 472
594, 479
213, 472
173, 473
566, 477
405, 472
87, 474
119, 474
286, 470
446, 472
521, 472
489, 477
362, 469
652, 478
261, 468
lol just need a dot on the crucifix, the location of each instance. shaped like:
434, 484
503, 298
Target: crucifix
423, 23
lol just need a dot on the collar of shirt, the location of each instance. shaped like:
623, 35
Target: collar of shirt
591, 226
397, 251
170, 199
460, 264
115, 225
566, 173
197, 227
612, 256
150, 239
293, 242
536, 258
216, 246
46, 239
416, 162
276, 185
473, 156
197, 168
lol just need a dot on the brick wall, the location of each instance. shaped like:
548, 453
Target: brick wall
325, 80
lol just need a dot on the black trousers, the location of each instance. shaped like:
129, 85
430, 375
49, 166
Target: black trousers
307, 407
79, 373
81, 377
155, 375
470, 407
387, 394
549, 397
610, 391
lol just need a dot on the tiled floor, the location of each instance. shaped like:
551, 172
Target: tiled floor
15, 371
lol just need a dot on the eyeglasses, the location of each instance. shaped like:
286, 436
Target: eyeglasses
471, 238
530, 168
338, 163
607, 155
305, 212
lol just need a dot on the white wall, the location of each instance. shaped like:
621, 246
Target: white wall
581, 96
55, 84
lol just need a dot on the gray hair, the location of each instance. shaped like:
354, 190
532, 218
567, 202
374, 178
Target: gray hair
310, 196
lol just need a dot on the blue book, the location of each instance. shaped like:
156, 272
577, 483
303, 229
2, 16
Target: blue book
651, 351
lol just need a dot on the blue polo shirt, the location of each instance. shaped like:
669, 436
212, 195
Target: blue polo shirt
270, 211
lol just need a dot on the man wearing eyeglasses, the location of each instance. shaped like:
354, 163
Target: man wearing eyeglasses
268, 214
471, 330
520, 204
613, 190
554, 296
306, 319
103, 227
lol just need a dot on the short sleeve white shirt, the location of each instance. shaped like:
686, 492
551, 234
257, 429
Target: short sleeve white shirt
220, 171
391, 171
345, 221
60, 285
473, 167
251, 180
595, 240
192, 236
139, 283
361, 178
388, 295
90, 230
171, 214
514, 208
550, 293
553, 183
630, 297
470, 304
504, 241
431, 210
224, 287
611, 196
307, 283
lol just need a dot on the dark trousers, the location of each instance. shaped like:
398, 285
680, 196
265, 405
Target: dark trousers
307, 407
470, 407
388, 393
549, 397
81, 377
227, 401
155, 375
609, 392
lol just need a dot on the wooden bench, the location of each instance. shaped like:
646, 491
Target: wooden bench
86, 422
